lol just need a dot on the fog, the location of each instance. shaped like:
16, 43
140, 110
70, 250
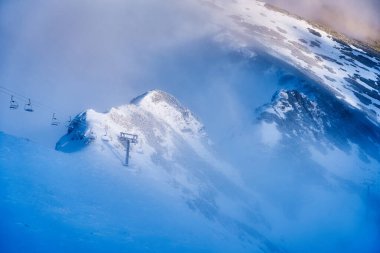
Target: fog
69, 56
74, 55
358, 19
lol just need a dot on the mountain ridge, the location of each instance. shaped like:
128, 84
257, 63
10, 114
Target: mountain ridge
350, 72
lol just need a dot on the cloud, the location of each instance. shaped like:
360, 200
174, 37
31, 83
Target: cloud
270, 135
80, 54
358, 19
75, 55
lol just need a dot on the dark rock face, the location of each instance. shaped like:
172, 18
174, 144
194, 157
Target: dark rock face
321, 119
349, 69
296, 114
78, 135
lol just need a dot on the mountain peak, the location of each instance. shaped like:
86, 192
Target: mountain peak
167, 108
162, 124
156, 96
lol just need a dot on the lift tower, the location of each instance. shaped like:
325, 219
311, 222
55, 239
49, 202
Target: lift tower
127, 139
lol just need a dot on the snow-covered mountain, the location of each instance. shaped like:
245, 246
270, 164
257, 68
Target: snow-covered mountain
351, 72
329, 100
319, 118
173, 149
302, 176
171, 141
160, 122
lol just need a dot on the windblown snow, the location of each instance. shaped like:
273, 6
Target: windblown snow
83, 202
303, 176
353, 74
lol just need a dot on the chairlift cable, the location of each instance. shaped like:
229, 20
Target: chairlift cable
36, 103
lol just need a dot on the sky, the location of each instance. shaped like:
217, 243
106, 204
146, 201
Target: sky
357, 18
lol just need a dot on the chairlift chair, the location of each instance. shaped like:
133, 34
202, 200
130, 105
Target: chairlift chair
28, 107
106, 137
13, 104
54, 120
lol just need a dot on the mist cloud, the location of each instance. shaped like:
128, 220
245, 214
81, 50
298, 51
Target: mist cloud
358, 19
79, 54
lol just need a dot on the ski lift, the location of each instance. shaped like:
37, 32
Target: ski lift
130, 137
106, 137
127, 139
54, 120
13, 104
28, 107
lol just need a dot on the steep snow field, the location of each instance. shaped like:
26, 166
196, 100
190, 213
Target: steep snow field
178, 194
87, 200
83, 202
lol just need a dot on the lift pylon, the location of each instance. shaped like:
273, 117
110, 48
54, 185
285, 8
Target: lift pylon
127, 139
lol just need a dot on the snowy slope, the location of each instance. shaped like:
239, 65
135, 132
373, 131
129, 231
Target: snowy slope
156, 117
170, 139
167, 132
351, 73
176, 195
328, 126
333, 103
172, 149
56, 202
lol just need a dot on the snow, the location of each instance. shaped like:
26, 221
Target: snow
173, 197
172, 149
79, 202
250, 23
165, 129
351, 169
178, 194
